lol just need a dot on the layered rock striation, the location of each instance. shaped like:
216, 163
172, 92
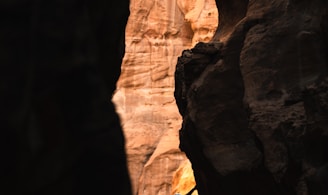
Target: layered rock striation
156, 33
254, 100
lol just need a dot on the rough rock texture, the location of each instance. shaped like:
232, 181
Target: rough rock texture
60, 61
183, 181
156, 33
254, 100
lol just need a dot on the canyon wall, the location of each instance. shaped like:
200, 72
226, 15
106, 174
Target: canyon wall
254, 100
156, 33
60, 61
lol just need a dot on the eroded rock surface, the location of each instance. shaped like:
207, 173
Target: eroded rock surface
254, 100
156, 33
183, 180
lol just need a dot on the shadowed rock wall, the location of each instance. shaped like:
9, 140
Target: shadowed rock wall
254, 100
60, 61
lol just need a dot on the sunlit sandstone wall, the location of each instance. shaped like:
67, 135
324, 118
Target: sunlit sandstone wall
156, 34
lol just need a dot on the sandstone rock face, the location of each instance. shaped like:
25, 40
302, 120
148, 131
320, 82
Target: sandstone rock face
254, 100
60, 61
156, 33
183, 180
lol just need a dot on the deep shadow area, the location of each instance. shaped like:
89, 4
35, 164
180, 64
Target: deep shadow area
60, 61
255, 108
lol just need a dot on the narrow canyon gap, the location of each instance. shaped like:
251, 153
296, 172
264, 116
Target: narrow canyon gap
156, 34
254, 100
60, 61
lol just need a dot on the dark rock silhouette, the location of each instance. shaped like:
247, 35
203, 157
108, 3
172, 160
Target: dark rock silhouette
60, 61
254, 100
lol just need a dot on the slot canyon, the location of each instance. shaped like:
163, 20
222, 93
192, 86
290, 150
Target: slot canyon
151, 97
156, 34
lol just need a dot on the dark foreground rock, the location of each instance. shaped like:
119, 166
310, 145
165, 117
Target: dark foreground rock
254, 100
60, 61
